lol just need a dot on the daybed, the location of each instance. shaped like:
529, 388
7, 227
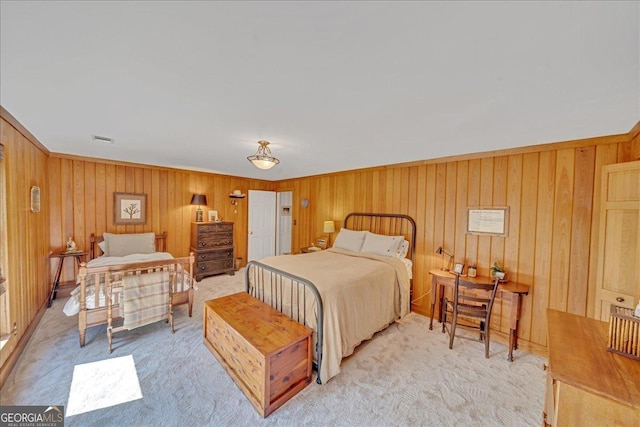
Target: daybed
346, 293
129, 267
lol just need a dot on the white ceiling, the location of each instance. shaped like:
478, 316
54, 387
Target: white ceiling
333, 85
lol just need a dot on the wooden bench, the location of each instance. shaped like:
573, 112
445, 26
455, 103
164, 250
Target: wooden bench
268, 355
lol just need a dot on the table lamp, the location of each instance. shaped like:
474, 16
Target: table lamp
329, 228
442, 251
199, 200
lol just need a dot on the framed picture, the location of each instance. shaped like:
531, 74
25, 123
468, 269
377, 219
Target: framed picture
458, 268
322, 243
286, 210
35, 199
213, 216
491, 221
129, 208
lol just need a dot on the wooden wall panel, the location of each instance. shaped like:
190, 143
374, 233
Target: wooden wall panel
28, 282
552, 195
82, 201
581, 226
551, 189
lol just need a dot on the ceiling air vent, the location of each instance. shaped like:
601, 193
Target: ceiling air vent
103, 139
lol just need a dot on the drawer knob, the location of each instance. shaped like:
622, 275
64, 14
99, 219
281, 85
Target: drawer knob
620, 299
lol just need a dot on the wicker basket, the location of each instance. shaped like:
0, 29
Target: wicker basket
624, 332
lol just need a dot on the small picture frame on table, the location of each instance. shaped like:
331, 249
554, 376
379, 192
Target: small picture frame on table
213, 216
458, 268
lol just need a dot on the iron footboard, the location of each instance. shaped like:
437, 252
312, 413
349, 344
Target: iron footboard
288, 294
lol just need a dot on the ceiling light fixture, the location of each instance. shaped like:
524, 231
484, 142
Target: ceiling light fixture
263, 158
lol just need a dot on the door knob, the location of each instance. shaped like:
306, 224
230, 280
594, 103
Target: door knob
620, 299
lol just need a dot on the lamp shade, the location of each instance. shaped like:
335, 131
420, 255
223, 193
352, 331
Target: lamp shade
329, 227
199, 199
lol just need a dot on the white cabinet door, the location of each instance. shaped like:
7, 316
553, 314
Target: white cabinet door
618, 274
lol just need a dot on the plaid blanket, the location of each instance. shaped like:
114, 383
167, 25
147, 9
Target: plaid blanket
145, 299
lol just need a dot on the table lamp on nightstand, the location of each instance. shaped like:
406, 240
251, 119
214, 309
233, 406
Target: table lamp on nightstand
329, 228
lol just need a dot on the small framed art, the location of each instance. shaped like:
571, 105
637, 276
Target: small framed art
458, 268
129, 208
213, 216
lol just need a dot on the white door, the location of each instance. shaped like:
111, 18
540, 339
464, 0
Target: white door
262, 224
284, 223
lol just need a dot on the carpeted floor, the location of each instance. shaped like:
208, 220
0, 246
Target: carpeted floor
405, 375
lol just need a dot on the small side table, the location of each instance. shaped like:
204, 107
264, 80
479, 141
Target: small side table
61, 256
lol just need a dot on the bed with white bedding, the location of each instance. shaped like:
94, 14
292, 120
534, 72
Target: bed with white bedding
347, 293
130, 269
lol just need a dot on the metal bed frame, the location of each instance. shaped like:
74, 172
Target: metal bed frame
301, 288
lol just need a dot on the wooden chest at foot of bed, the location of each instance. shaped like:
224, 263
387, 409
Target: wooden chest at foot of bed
267, 354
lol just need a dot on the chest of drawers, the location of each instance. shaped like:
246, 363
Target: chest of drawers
212, 244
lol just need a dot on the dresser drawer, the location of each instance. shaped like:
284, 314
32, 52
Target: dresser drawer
215, 240
215, 266
215, 228
213, 255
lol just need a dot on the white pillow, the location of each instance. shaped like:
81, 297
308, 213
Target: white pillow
402, 249
379, 244
127, 244
103, 247
349, 240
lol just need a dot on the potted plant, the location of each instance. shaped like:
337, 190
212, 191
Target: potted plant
497, 271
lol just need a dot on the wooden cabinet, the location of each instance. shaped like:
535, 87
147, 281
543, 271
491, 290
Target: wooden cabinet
618, 271
267, 354
586, 384
212, 244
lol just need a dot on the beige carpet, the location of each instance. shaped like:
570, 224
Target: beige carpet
405, 375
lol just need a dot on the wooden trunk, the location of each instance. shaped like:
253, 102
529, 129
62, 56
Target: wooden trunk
267, 354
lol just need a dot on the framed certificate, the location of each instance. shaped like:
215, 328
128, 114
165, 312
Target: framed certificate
492, 221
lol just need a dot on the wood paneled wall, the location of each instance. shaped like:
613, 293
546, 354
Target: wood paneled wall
26, 262
552, 193
81, 201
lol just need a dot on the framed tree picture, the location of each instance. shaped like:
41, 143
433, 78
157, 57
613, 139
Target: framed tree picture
129, 208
